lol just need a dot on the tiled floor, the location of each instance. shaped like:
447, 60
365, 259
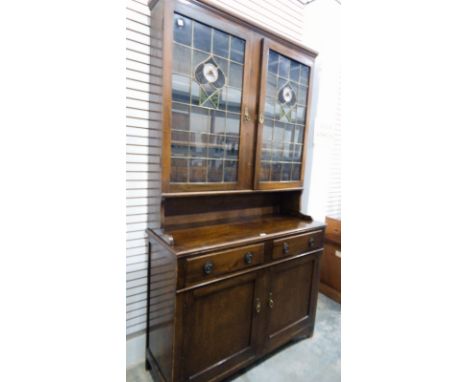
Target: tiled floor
316, 359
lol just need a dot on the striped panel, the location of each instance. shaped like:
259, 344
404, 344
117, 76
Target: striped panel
285, 17
143, 156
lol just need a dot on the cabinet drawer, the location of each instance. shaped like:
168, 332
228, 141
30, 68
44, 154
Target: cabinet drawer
295, 245
216, 264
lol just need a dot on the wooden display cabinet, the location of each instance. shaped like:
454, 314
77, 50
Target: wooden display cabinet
233, 273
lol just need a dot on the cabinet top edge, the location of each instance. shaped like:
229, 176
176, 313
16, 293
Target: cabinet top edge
267, 32
225, 192
194, 241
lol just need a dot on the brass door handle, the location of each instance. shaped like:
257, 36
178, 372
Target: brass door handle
261, 119
271, 303
246, 114
258, 305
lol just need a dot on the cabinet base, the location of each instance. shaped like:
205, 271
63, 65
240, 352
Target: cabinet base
152, 367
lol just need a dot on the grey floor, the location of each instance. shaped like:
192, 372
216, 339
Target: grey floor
317, 359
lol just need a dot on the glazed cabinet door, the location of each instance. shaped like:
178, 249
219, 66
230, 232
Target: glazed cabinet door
291, 300
208, 131
222, 327
284, 102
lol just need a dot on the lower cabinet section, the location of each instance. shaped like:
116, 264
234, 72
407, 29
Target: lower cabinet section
292, 299
223, 324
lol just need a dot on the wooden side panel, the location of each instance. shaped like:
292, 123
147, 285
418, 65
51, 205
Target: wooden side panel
330, 272
160, 308
333, 230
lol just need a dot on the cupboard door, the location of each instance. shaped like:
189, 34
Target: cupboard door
222, 326
284, 99
291, 299
208, 147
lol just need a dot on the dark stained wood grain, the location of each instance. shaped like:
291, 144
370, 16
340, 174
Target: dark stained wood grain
223, 262
211, 209
330, 268
221, 291
290, 300
190, 241
293, 245
221, 326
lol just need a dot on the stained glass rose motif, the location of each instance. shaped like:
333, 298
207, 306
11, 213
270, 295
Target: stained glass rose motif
287, 96
211, 80
287, 99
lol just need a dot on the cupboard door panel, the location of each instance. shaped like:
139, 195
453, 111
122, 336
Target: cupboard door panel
284, 97
222, 326
209, 73
292, 299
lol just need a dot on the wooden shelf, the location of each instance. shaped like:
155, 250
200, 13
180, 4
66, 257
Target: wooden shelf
195, 240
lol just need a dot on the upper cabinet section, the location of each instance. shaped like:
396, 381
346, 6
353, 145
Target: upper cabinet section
207, 82
284, 96
234, 107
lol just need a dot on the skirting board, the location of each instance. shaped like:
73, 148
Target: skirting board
136, 350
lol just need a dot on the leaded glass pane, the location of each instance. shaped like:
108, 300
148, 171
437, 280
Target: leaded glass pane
180, 88
181, 60
215, 171
202, 37
221, 44
179, 170
198, 170
182, 30
235, 75
207, 80
237, 49
284, 112
234, 100
230, 170
265, 171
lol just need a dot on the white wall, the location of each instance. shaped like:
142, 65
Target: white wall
322, 195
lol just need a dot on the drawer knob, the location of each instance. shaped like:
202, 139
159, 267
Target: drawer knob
311, 242
208, 267
248, 258
285, 247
